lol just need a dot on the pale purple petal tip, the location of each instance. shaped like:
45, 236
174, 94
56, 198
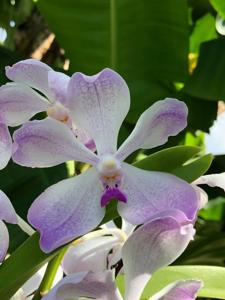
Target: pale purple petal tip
183, 289
111, 193
7, 212
5, 146
4, 240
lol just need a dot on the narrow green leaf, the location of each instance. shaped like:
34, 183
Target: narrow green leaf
21, 265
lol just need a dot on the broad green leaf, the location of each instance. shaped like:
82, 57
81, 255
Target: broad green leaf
212, 276
172, 160
219, 6
204, 30
146, 42
207, 80
194, 169
168, 159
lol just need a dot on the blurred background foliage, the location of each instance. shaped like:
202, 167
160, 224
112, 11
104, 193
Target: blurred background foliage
168, 48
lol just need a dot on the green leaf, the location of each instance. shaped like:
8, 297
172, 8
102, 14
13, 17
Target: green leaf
194, 169
207, 80
168, 159
213, 278
204, 30
219, 6
172, 160
213, 210
146, 42
21, 265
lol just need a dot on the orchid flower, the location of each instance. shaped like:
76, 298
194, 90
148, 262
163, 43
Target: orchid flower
152, 246
19, 101
214, 140
76, 205
7, 214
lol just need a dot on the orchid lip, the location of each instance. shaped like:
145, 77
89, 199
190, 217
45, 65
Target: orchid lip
112, 193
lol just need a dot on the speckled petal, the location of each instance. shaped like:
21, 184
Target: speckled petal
67, 210
5, 146
48, 143
18, 103
99, 105
150, 193
152, 246
31, 72
163, 119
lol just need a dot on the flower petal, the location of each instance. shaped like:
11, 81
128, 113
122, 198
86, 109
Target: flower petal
67, 210
58, 83
4, 240
99, 105
214, 140
48, 143
150, 193
213, 180
5, 146
163, 119
7, 212
182, 289
99, 286
89, 255
162, 241
18, 103
31, 72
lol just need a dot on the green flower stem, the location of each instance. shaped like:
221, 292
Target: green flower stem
50, 274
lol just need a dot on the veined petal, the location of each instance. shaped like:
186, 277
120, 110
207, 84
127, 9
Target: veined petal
67, 210
47, 143
31, 72
150, 193
163, 119
7, 212
58, 83
5, 146
4, 240
182, 289
213, 180
89, 255
99, 286
18, 103
99, 105
162, 241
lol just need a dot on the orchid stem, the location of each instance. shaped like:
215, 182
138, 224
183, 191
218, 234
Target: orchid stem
25, 226
50, 273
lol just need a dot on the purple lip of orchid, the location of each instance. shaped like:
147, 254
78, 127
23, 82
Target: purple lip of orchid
112, 193
72, 207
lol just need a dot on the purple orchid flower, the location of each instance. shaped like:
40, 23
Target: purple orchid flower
152, 246
7, 214
19, 101
75, 206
